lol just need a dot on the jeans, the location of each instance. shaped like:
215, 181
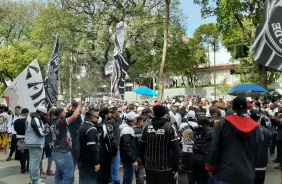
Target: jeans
34, 162
115, 169
13, 145
139, 175
64, 167
216, 181
128, 173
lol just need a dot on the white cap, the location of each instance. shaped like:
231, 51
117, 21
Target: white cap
177, 104
140, 109
136, 104
131, 115
191, 114
203, 99
41, 109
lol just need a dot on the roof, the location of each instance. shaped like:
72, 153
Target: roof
217, 67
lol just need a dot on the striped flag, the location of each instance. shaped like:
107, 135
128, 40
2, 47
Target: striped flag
266, 48
118, 75
51, 78
27, 89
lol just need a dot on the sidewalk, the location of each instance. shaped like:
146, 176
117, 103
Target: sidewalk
10, 173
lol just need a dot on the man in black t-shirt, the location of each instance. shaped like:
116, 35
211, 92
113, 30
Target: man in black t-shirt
200, 111
87, 162
62, 145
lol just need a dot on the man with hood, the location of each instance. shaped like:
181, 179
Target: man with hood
159, 149
202, 137
232, 152
128, 150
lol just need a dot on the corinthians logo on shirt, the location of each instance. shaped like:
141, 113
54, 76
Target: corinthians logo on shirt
158, 131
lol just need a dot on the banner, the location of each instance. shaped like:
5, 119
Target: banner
27, 90
266, 48
120, 34
51, 78
118, 75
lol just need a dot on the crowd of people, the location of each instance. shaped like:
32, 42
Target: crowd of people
220, 142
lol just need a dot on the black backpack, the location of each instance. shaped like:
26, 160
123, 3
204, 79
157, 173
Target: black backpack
76, 148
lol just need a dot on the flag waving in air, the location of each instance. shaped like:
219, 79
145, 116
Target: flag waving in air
266, 48
120, 66
51, 78
27, 89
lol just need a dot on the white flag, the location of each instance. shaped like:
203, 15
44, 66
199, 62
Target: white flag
27, 90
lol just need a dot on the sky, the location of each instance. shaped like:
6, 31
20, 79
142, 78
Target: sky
194, 20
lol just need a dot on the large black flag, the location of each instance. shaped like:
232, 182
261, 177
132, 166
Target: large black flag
266, 48
51, 78
118, 76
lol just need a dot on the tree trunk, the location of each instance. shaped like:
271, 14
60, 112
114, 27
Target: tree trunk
70, 79
262, 71
161, 74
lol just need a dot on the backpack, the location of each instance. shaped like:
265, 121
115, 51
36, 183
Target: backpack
76, 148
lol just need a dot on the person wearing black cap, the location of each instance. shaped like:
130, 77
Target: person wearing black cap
233, 149
159, 149
88, 163
63, 144
263, 142
22, 153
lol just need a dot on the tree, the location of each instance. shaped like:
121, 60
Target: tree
240, 18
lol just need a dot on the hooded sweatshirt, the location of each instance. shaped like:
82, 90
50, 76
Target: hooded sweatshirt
202, 139
128, 150
233, 149
159, 145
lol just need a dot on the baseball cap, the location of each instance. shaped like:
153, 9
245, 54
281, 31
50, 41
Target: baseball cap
240, 105
136, 104
131, 115
177, 104
42, 109
140, 109
255, 114
57, 112
191, 114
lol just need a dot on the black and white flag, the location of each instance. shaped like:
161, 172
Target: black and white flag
266, 48
118, 76
51, 78
27, 90
120, 34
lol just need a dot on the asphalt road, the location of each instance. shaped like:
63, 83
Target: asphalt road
10, 173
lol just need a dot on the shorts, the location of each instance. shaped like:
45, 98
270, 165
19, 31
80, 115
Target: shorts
4, 138
47, 150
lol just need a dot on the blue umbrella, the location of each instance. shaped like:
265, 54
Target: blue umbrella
248, 90
145, 91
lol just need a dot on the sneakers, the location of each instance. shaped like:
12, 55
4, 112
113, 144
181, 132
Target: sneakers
9, 158
27, 170
43, 175
23, 171
50, 173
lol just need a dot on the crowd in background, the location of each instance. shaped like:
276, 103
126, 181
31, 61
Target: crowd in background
214, 141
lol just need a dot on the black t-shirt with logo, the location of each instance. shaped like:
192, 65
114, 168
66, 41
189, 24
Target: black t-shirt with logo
61, 136
200, 112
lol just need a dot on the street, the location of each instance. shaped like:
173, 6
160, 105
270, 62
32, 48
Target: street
10, 173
